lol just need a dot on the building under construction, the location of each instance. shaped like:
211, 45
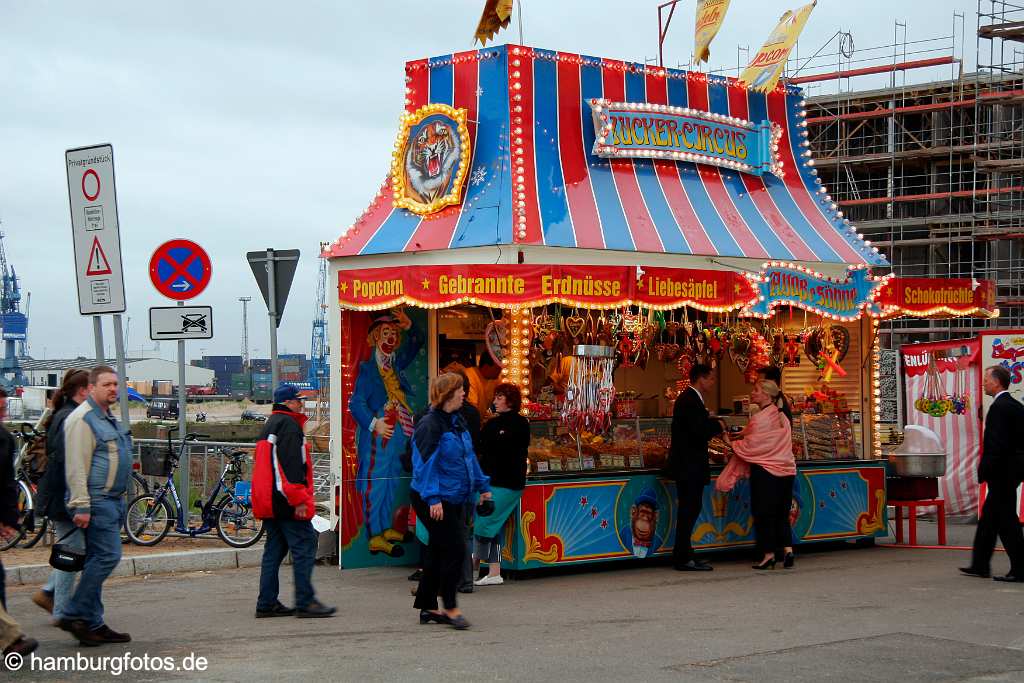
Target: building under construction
932, 173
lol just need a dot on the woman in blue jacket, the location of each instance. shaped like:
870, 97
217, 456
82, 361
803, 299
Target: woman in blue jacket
445, 476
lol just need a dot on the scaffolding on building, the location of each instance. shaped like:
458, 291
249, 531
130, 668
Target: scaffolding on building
929, 162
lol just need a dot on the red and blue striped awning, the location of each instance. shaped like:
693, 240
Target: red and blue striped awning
534, 180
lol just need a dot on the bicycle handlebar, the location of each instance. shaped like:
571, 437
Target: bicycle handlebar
28, 431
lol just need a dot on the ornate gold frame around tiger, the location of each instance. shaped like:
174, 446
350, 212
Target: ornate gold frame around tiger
398, 186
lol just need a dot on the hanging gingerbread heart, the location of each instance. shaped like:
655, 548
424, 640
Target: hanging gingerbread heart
575, 325
544, 324
630, 321
740, 359
815, 342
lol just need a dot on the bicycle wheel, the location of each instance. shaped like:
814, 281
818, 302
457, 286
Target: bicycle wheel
25, 507
33, 537
137, 485
148, 520
236, 525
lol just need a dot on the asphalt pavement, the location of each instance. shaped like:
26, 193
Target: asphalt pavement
845, 614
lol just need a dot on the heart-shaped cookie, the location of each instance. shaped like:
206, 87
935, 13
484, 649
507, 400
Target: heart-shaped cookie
575, 325
544, 323
740, 359
815, 342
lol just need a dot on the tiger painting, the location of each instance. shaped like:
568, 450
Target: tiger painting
430, 162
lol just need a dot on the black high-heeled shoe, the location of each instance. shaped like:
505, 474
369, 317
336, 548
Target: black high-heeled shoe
767, 564
426, 616
788, 561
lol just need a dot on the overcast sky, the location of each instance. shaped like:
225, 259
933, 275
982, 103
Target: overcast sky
246, 125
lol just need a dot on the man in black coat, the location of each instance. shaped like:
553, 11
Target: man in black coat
1002, 468
12, 640
692, 428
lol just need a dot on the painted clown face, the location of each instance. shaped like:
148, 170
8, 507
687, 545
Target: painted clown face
388, 338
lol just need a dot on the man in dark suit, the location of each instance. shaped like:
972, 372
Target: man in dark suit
1002, 468
692, 428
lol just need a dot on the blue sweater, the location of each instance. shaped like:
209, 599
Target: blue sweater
444, 466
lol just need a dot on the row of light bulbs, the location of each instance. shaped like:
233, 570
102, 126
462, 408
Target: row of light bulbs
519, 331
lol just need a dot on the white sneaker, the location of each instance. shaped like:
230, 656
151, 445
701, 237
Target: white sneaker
489, 581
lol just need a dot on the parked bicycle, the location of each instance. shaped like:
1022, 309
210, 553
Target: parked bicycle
227, 509
33, 527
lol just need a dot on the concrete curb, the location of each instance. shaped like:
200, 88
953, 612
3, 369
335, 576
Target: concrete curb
163, 563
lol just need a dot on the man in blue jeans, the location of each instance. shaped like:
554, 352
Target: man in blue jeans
289, 528
97, 462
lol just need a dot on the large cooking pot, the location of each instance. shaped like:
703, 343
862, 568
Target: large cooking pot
918, 464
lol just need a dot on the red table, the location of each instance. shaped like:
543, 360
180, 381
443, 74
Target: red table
912, 506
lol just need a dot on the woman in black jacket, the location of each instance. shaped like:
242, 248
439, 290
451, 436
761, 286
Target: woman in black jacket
52, 490
503, 445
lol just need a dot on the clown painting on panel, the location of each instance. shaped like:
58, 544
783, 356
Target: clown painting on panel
383, 406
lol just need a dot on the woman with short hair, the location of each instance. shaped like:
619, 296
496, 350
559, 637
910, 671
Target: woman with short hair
446, 475
503, 445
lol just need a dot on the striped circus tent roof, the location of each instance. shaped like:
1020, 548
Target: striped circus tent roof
533, 178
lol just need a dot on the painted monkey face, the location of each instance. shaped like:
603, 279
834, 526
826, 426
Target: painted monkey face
644, 519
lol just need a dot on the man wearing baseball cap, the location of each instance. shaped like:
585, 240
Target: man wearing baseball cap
289, 481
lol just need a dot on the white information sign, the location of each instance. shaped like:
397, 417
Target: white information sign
95, 229
180, 322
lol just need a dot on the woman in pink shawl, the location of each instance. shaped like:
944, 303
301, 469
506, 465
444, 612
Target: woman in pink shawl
764, 452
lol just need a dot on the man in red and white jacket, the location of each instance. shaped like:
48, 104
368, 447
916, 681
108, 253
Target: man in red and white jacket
282, 496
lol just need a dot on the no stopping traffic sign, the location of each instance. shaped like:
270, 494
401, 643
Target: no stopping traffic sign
180, 269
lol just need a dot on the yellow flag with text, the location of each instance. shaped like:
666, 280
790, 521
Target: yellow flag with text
496, 15
710, 14
764, 70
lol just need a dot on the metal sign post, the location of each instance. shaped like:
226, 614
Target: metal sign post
121, 371
181, 269
274, 271
182, 425
272, 314
97, 333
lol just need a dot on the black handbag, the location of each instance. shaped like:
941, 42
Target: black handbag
67, 558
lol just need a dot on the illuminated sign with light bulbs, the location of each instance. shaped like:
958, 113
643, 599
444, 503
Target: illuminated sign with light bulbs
789, 284
656, 131
431, 159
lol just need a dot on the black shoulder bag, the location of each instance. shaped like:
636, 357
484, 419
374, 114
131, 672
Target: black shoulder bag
67, 558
